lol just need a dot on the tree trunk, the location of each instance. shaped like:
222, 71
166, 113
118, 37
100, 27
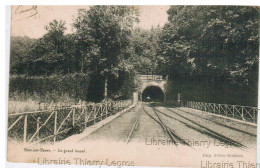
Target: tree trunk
105, 92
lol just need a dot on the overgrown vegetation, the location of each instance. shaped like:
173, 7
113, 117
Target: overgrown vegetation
49, 88
209, 53
55, 64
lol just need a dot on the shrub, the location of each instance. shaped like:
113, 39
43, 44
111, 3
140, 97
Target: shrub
49, 88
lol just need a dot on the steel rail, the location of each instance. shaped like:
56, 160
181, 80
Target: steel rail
134, 127
165, 128
204, 130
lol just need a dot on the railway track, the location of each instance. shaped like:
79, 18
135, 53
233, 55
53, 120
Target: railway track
134, 127
220, 124
189, 123
175, 138
202, 129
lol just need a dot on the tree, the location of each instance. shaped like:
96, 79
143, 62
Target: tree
210, 37
143, 50
103, 33
48, 53
20, 47
218, 44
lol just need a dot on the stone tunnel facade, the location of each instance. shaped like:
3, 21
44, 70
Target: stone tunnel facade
151, 84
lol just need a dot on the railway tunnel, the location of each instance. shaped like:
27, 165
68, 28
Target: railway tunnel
153, 93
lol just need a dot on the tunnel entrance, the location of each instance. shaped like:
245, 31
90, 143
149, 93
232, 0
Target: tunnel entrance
153, 93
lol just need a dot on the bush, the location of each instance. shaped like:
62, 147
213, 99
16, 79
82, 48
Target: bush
49, 88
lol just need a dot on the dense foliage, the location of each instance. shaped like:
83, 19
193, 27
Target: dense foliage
213, 49
103, 34
96, 48
143, 50
209, 53
49, 88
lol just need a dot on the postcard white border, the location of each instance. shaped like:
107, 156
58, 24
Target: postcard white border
5, 46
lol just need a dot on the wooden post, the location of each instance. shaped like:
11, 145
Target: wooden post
73, 117
106, 110
37, 128
25, 129
55, 126
95, 108
85, 117
101, 111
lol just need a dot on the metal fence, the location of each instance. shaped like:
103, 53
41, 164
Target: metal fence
60, 122
244, 113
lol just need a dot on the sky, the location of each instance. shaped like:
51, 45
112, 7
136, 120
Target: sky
30, 20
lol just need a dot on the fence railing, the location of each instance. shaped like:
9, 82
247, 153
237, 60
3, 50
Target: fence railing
59, 122
244, 113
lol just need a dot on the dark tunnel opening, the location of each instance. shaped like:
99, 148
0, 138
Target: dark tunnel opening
153, 93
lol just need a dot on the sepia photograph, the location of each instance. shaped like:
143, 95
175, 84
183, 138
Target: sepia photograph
117, 85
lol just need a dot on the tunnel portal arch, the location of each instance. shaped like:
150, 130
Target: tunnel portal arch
153, 93
152, 84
